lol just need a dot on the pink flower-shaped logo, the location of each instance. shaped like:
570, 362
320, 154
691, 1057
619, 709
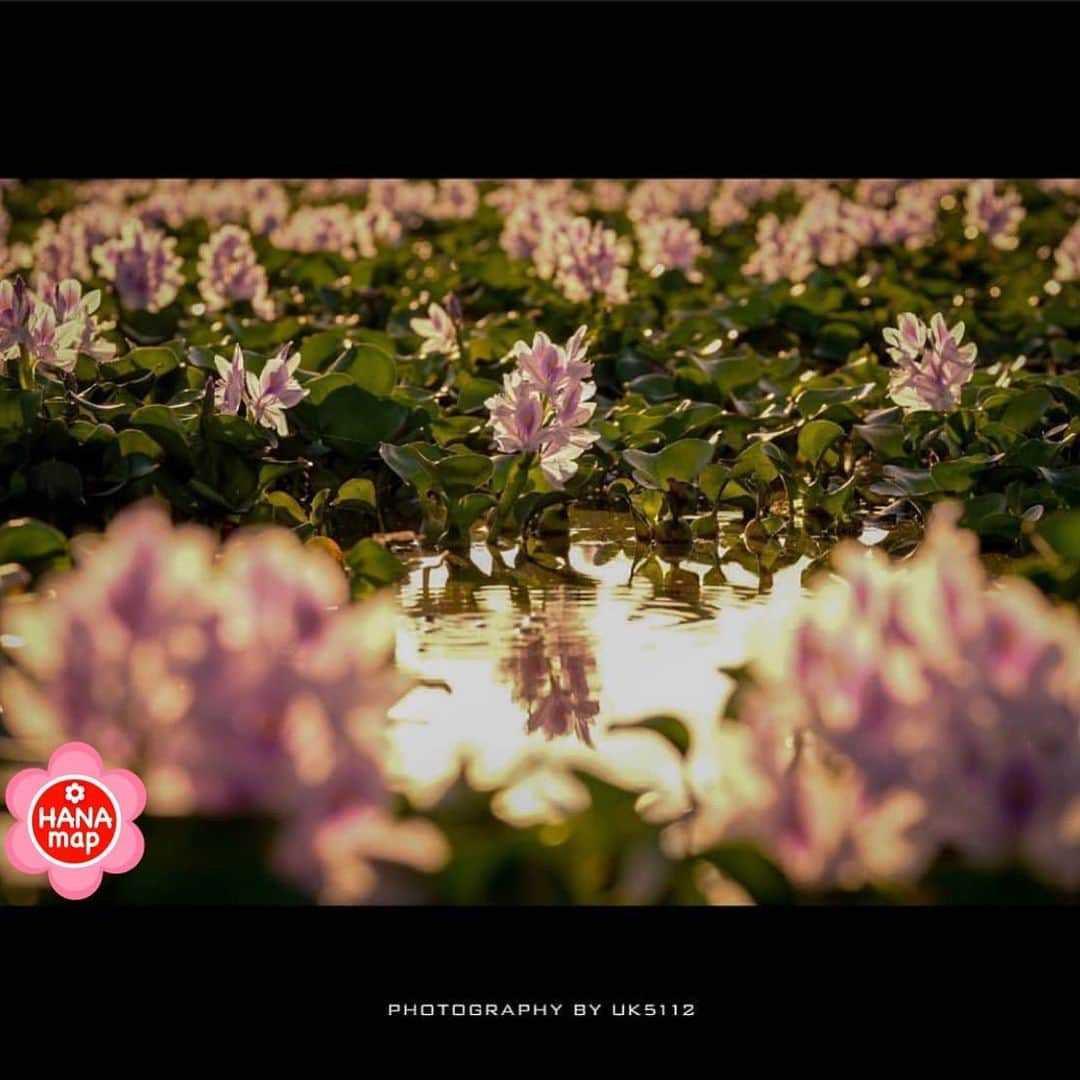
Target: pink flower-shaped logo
74, 820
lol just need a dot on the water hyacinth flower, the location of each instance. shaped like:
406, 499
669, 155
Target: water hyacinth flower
438, 332
234, 682
52, 326
906, 709
584, 260
318, 228
669, 243
932, 366
62, 250
143, 266
668, 198
230, 389
1067, 256
229, 271
997, 217
455, 200
545, 404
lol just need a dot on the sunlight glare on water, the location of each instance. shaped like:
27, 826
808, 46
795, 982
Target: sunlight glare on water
536, 667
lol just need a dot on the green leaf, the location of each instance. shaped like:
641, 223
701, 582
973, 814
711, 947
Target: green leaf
318, 351
373, 566
29, 542
161, 423
462, 473
671, 728
353, 421
286, 508
370, 368
760, 877
815, 437
1061, 531
814, 400
958, 474
159, 359
415, 464
682, 460
712, 481
357, 492
1025, 410
473, 392
18, 409
57, 481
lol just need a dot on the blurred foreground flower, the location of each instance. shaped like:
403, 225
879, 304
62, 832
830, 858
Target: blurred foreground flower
143, 266
241, 682
909, 710
932, 365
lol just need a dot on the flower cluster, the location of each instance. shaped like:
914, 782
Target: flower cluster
668, 198
229, 270
235, 683
932, 366
51, 326
336, 227
318, 228
584, 260
265, 396
830, 230
545, 404
911, 709
455, 200
668, 243
997, 217
143, 266
1067, 256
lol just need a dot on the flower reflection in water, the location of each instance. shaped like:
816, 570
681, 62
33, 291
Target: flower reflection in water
553, 672
541, 667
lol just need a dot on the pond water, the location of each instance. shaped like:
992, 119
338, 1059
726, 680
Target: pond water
538, 665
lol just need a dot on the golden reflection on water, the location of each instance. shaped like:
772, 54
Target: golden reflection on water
538, 665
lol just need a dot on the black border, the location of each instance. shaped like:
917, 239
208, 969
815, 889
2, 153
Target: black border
528, 89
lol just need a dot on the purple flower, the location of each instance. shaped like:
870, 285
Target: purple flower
904, 709
229, 271
438, 332
544, 405
275, 390
584, 260
1067, 256
229, 392
669, 244
235, 682
997, 217
932, 367
143, 266
52, 326
319, 228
